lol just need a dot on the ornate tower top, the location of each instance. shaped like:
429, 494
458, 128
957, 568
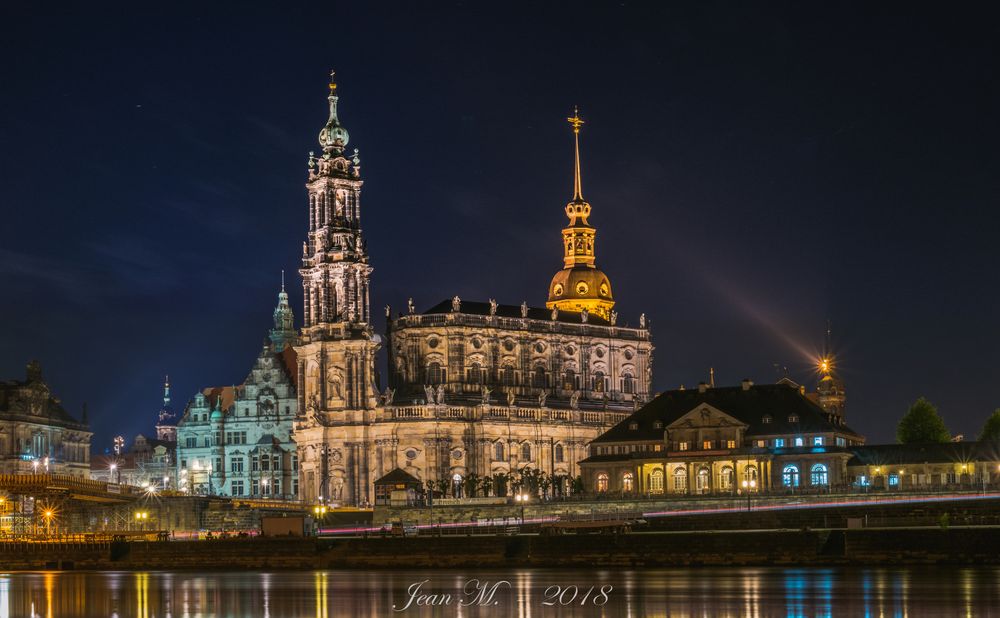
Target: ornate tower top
580, 285
166, 426
831, 392
283, 333
333, 137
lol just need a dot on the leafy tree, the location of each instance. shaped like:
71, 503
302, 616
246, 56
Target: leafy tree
991, 429
471, 484
485, 485
922, 424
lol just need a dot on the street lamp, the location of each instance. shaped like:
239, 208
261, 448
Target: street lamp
521, 499
46, 462
747, 488
34, 466
48, 514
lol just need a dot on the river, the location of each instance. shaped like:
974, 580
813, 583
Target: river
757, 592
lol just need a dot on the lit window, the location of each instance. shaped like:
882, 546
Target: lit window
863, 480
706, 445
820, 475
731, 444
798, 441
767, 419
628, 482
680, 479
779, 442
818, 441
633, 426
658, 425
657, 447
761, 443
683, 446
790, 476
656, 481
841, 441
602, 482
793, 418
893, 480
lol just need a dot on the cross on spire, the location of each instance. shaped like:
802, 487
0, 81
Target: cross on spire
576, 121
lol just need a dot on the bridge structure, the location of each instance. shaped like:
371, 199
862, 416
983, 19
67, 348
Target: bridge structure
53, 503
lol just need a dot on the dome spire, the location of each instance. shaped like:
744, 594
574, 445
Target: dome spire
333, 137
577, 185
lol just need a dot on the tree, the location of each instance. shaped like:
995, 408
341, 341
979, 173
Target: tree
991, 429
922, 424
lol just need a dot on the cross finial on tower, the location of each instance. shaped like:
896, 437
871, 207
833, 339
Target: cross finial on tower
282, 280
333, 81
576, 121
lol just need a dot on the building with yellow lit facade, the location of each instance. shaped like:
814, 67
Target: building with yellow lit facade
474, 387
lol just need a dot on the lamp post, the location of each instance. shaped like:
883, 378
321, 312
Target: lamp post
48, 514
747, 488
522, 499
34, 466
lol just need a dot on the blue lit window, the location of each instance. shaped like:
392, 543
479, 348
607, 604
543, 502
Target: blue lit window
818, 441
798, 441
779, 442
820, 475
893, 480
863, 480
790, 476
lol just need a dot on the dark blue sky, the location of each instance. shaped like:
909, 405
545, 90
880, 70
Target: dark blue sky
753, 172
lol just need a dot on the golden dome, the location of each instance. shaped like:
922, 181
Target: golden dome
581, 287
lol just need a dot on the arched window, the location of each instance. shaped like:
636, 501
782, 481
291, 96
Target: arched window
598, 382
602, 483
476, 374
559, 455
790, 476
435, 375
498, 452
526, 452
820, 475
656, 481
726, 478
750, 474
628, 383
507, 375
538, 377
569, 380
680, 479
704, 480
628, 482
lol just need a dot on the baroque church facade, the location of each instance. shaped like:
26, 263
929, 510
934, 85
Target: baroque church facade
474, 388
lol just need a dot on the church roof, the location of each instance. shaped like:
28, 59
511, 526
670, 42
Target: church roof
948, 452
473, 307
788, 410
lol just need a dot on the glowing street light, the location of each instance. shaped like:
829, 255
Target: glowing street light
48, 515
748, 486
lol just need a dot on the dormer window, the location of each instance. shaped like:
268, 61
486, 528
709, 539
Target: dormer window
658, 425
633, 426
767, 419
793, 418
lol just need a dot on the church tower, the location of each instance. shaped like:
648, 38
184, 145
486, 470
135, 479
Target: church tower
337, 353
830, 391
283, 334
166, 421
580, 285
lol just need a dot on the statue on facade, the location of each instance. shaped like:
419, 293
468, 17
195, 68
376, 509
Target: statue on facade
510, 397
542, 396
555, 313
493, 306
642, 320
388, 396
429, 394
524, 309
574, 400
614, 317
456, 304
409, 305
333, 377
486, 396
314, 402
439, 395
584, 314
388, 311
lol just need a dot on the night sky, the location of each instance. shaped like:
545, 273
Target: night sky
753, 173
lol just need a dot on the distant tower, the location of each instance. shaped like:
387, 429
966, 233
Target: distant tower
166, 422
831, 393
580, 284
283, 334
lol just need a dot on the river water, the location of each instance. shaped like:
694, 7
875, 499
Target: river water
757, 592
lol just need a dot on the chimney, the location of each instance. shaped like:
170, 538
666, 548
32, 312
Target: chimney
747, 383
702, 387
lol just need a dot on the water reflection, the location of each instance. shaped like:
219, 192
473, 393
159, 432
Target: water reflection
752, 592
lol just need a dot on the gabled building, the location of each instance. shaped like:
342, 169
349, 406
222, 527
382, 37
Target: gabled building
712, 440
236, 440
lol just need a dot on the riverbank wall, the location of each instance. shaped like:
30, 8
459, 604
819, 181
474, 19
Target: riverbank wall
956, 545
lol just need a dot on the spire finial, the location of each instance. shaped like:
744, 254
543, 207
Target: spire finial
333, 81
282, 280
576, 121
333, 138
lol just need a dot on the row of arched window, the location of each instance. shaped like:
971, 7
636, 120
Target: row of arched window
819, 476
525, 453
539, 378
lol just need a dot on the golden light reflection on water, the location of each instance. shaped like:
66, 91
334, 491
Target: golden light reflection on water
751, 592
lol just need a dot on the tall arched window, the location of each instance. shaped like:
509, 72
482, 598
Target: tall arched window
790, 476
602, 483
526, 452
498, 454
820, 475
598, 382
628, 383
476, 374
680, 480
750, 474
559, 455
435, 375
656, 481
726, 478
704, 480
538, 377
628, 482
507, 375
569, 380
